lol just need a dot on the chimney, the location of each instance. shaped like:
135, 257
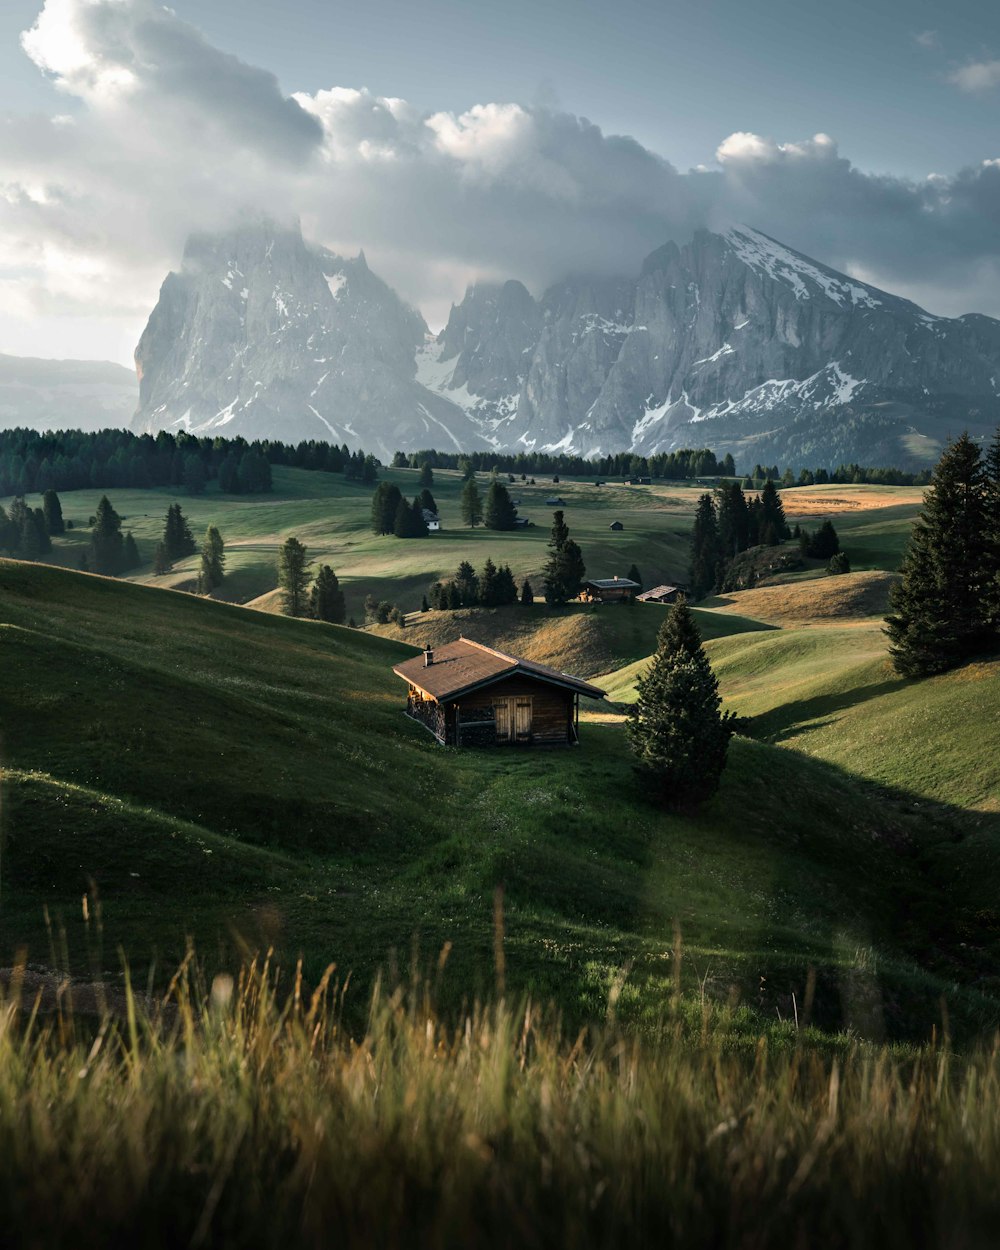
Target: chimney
616, 577
428, 657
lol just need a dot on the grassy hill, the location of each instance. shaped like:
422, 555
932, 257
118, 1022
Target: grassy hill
332, 517
249, 780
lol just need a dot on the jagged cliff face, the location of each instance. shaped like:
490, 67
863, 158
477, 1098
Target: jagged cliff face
733, 341
262, 335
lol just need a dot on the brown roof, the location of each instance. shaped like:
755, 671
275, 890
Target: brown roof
466, 665
658, 592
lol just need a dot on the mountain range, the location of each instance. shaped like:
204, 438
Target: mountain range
65, 394
732, 341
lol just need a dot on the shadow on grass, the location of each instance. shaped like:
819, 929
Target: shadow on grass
798, 717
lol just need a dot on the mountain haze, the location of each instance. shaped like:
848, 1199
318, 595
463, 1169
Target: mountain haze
65, 394
733, 341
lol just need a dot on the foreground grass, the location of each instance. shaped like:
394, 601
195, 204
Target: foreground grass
248, 1116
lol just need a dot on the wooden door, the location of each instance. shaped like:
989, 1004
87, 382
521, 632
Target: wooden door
503, 712
522, 717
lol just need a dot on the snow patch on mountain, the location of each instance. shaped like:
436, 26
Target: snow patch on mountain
765, 255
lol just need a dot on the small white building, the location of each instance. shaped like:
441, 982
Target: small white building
432, 521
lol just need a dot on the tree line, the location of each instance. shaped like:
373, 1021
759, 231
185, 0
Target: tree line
33, 461
946, 608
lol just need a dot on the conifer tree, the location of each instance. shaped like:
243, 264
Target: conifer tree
177, 536
635, 576
195, 477
488, 585
418, 526
564, 570
52, 509
527, 594
506, 586
472, 504
771, 524
42, 531
213, 560
293, 577
29, 541
326, 599
427, 501
106, 544
675, 728
426, 476
385, 505
161, 561
939, 614
732, 520
704, 549
131, 559
500, 513
466, 585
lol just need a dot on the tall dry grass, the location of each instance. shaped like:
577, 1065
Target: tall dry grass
243, 1115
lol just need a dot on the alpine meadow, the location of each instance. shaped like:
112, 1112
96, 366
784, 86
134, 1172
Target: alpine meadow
499, 627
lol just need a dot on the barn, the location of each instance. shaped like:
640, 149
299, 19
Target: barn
661, 594
468, 694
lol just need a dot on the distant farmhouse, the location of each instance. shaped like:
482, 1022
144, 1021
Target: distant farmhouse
616, 525
609, 590
432, 521
555, 502
661, 594
468, 694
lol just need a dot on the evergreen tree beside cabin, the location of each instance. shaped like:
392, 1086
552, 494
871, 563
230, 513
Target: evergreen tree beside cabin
564, 570
500, 513
675, 727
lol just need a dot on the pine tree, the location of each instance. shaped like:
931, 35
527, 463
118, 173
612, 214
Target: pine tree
939, 614
403, 524
489, 585
213, 560
29, 540
704, 549
772, 524
161, 561
675, 727
506, 586
385, 505
426, 477
427, 501
131, 559
527, 594
418, 526
466, 584
177, 536
472, 504
52, 509
564, 570
635, 576
293, 577
500, 513
326, 599
732, 520
106, 545
825, 542
42, 530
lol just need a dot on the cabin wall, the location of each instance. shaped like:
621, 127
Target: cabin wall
551, 712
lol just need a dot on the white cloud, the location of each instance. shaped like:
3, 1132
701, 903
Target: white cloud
175, 135
929, 39
977, 76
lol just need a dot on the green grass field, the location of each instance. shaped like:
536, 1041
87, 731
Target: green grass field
246, 780
332, 517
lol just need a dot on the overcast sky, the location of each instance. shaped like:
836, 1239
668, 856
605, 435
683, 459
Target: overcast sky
455, 140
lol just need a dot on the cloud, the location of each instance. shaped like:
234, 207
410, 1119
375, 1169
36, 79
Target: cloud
929, 39
168, 135
977, 76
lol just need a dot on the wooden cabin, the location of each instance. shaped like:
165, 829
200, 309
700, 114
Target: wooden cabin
468, 694
616, 526
661, 594
609, 590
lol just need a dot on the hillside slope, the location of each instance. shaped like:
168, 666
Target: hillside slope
246, 780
